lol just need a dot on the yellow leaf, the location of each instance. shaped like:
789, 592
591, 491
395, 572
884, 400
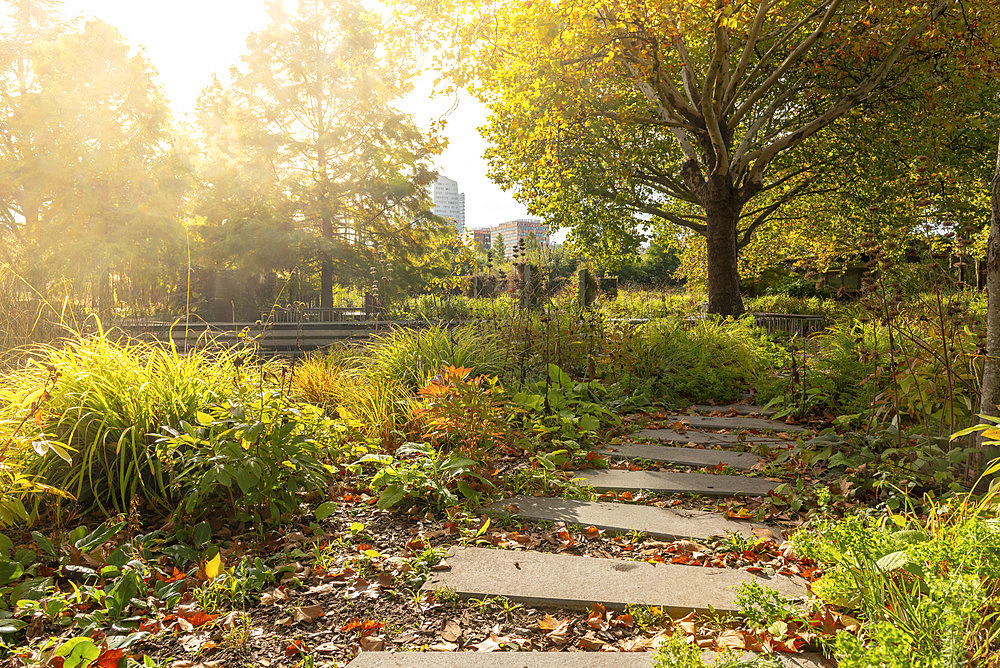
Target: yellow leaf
30, 399
213, 566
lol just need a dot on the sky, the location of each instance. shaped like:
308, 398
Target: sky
187, 41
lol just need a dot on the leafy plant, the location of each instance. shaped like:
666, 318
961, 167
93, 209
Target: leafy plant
421, 472
254, 452
923, 589
106, 402
457, 410
564, 414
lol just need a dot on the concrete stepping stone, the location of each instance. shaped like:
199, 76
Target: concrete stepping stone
710, 437
682, 456
661, 523
704, 484
709, 422
742, 409
538, 579
468, 659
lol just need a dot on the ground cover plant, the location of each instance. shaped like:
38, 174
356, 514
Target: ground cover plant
374, 434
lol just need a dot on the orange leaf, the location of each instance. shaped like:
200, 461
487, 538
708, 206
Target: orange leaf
110, 658
547, 623
196, 617
352, 624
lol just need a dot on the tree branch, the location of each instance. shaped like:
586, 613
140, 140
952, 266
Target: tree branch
786, 64
763, 157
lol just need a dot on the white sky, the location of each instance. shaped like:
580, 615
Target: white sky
189, 40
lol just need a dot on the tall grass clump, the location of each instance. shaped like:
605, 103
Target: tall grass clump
374, 404
107, 401
412, 356
705, 360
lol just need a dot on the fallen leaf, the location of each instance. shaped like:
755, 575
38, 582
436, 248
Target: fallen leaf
731, 639
560, 634
686, 624
452, 631
590, 641
684, 546
110, 658
493, 643
372, 643
763, 533
307, 613
547, 623
596, 619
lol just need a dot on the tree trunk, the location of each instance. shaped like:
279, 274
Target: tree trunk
990, 396
326, 229
722, 212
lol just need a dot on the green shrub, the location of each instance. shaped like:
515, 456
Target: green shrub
924, 591
421, 473
707, 360
254, 453
678, 652
782, 303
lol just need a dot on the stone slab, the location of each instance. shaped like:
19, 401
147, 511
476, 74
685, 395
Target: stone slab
468, 659
742, 409
700, 437
662, 523
737, 423
538, 579
682, 456
502, 660
704, 484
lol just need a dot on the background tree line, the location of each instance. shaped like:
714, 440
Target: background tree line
297, 174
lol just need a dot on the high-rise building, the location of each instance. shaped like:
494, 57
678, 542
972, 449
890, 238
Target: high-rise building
514, 230
481, 238
448, 202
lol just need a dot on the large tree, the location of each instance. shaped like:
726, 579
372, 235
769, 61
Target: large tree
89, 186
700, 114
313, 110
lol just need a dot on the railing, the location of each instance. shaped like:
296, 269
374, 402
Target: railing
283, 338
790, 323
315, 314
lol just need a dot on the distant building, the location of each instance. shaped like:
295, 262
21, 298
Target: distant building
448, 202
514, 230
481, 238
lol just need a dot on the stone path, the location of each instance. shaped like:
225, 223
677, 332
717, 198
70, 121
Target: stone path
557, 580
667, 482
661, 523
700, 437
566, 581
682, 456
742, 409
535, 660
737, 423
